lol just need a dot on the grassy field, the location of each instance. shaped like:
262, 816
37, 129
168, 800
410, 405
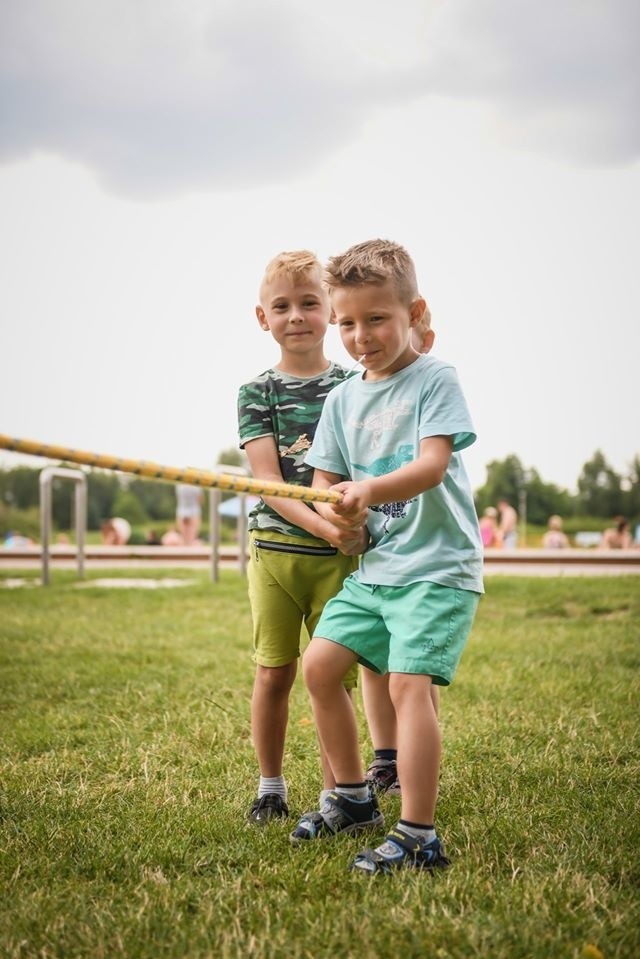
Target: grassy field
127, 769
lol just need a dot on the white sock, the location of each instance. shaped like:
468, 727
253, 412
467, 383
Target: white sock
273, 784
426, 833
358, 793
323, 795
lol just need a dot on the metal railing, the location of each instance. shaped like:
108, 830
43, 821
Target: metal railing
215, 498
48, 474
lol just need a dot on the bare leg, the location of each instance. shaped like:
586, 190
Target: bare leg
419, 745
328, 779
189, 527
378, 708
325, 664
435, 699
380, 712
270, 714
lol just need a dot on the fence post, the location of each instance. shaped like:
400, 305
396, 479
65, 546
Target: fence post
46, 479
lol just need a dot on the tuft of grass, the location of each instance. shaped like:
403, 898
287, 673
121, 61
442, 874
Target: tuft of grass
127, 769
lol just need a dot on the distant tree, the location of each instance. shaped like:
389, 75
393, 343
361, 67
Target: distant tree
504, 481
600, 488
157, 499
103, 487
545, 499
631, 496
19, 487
232, 456
127, 505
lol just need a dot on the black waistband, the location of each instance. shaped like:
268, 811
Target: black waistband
293, 548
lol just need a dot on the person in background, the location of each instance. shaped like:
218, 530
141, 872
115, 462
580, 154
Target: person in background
555, 537
188, 512
15, 540
491, 536
115, 531
171, 538
617, 536
508, 526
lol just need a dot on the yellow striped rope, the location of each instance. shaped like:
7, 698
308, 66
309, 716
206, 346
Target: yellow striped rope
222, 481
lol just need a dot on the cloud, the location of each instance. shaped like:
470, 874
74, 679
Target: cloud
562, 77
159, 96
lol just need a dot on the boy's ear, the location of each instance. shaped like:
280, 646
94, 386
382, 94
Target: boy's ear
262, 318
332, 318
416, 311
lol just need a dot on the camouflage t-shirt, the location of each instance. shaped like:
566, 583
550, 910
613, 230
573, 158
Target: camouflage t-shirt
287, 408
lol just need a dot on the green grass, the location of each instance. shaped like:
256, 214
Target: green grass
127, 768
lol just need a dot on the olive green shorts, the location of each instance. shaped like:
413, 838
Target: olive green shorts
421, 628
290, 581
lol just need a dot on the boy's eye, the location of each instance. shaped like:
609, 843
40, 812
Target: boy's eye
310, 304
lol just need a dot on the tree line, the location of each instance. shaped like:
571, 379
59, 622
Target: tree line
602, 493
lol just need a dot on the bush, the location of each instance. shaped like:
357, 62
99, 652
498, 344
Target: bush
25, 521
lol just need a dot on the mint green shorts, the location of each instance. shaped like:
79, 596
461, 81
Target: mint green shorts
290, 581
421, 628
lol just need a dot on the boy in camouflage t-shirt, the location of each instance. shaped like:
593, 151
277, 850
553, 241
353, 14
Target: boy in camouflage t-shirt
298, 560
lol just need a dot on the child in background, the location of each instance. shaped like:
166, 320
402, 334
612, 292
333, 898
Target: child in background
298, 559
555, 537
396, 431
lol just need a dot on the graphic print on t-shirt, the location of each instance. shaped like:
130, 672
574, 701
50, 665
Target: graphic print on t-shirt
383, 422
382, 466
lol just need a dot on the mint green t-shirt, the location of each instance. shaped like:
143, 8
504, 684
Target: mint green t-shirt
370, 428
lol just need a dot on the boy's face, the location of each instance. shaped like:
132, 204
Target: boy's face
296, 311
375, 326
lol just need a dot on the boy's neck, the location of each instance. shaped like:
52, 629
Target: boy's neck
303, 366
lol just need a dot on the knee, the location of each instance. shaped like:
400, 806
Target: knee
312, 670
322, 667
276, 680
408, 689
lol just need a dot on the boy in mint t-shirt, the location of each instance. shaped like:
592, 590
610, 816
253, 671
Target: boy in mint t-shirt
395, 433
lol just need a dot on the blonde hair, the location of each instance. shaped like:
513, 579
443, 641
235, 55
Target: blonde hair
555, 522
374, 262
295, 264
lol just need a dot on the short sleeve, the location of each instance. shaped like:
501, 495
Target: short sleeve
444, 410
254, 412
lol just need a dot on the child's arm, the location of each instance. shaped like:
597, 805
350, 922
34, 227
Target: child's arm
425, 472
264, 461
322, 479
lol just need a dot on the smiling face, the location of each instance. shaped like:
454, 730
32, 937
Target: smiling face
296, 311
375, 325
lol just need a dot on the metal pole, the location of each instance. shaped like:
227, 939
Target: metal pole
46, 479
242, 536
214, 533
45, 524
81, 523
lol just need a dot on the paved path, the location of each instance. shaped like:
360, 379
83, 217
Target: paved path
518, 562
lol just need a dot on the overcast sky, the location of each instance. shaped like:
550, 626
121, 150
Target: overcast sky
155, 154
